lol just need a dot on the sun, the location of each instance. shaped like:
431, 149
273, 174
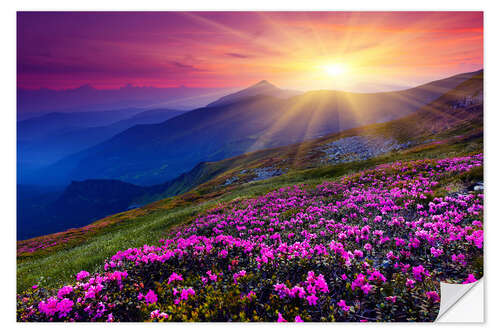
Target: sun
335, 69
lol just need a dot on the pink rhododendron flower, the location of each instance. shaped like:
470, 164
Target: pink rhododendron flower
342, 304
156, 314
436, 252
64, 291
64, 307
419, 272
211, 276
82, 275
151, 297
49, 307
358, 282
358, 253
174, 277
470, 279
312, 299
392, 299
236, 276
185, 293
366, 288
410, 283
432, 296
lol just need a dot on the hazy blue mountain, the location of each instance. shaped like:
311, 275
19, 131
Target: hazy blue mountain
33, 102
45, 140
50, 123
78, 204
33, 209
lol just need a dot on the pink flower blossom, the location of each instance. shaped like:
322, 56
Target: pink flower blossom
64, 307
82, 275
48, 307
470, 279
312, 299
410, 283
236, 276
156, 314
436, 252
151, 297
174, 277
392, 299
342, 304
419, 272
64, 291
366, 288
432, 296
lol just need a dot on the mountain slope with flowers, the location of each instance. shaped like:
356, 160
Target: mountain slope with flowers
441, 129
372, 246
313, 231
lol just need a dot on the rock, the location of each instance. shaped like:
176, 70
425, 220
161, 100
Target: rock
356, 148
479, 187
265, 173
230, 181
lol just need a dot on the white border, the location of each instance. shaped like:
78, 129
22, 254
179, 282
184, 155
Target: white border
8, 141
467, 305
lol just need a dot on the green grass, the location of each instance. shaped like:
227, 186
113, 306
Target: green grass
59, 267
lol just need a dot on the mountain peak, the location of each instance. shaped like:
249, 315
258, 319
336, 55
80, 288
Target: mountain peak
262, 87
263, 83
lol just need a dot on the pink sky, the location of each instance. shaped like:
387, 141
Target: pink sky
376, 50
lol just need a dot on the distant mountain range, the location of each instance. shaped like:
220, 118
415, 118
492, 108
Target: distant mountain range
242, 122
456, 114
44, 140
36, 102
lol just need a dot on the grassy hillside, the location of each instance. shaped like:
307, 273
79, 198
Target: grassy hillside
451, 126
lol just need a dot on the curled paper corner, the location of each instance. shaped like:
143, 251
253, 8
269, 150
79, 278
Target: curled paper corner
461, 303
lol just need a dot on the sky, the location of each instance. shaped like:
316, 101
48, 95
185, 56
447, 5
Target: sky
353, 51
